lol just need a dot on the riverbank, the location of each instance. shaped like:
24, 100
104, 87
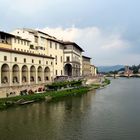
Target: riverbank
100, 84
48, 96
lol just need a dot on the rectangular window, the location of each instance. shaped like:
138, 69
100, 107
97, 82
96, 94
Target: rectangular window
15, 59
56, 72
36, 39
24, 60
50, 44
31, 46
32, 60
61, 59
46, 62
5, 58
67, 58
27, 43
61, 72
56, 46
39, 61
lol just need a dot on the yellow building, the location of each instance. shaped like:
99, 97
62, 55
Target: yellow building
30, 59
44, 44
72, 59
22, 70
93, 70
86, 65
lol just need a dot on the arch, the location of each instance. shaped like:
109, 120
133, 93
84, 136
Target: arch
40, 72
5, 74
47, 74
24, 71
16, 74
68, 69
32, 74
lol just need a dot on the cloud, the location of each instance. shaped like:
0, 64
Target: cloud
114, 42
106, 48
27, 7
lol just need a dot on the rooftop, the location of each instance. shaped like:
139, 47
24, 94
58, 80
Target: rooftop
86, 57
74, 44
14, 36
24, 53
8, 34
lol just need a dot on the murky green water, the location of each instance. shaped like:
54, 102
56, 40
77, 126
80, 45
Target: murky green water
112, 113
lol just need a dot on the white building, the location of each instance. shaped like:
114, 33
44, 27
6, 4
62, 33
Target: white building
21, 69
44, 44
72, 59
30, 59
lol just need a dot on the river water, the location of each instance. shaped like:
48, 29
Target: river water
112, 113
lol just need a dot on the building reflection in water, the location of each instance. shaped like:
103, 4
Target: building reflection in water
43, 120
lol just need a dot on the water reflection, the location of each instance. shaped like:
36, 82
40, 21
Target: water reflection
111, 113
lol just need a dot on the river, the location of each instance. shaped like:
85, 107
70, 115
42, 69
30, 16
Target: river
112, 113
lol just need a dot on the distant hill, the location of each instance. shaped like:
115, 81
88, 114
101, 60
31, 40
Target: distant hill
109, 68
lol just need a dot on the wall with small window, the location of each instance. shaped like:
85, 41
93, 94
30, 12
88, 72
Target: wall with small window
56, 50
20, 44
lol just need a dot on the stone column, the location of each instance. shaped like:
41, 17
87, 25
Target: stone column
28, 76
0, 78
43, 75
20, 76
36, 78
10, 78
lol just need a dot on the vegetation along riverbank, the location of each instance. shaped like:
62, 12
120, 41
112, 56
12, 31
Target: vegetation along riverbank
53, 92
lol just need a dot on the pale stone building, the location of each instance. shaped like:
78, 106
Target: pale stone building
44, 44
86, 66
72, 59
127, 71
56, 50
30, 59
93, 70
21, 69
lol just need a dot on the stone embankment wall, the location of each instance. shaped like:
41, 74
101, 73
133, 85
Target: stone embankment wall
93, 80
16, 90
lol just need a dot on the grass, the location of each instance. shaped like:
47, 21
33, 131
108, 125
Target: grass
95, 86
106, 82
54, 95
15, 101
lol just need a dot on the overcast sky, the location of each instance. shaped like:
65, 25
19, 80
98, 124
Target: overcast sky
108, 30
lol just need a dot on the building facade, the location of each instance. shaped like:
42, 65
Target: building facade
30, 59
20, 69
72, 59
86, 66
93, 70
44, 44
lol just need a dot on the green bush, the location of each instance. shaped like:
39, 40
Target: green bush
59, 85
13, 101
106, 81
